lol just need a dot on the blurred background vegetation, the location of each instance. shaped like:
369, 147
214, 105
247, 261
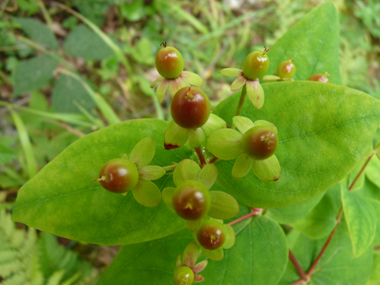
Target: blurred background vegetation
68, 68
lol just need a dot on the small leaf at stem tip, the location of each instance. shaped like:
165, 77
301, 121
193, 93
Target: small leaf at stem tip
216, 254
287, 79
213, 124
147, 193
161, 90
200, 266
167, 196
192, 78
231, 72
196, 137
238, 83
268, 169
242, 166
187, 169
223, 205
243, 124
230, 237
179, 262
225, 144
255, 93
194, 225
271, 78
266, 124
176, 84
175, 136
151, 172
191, 254
156, 81
208, 175
143, 152
198, 278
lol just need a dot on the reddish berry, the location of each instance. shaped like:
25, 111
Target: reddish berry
191, 200
286, 69
259, 142
118, 175
256, 64
183, 275
169, 62
211, 235
190, 108
319, 77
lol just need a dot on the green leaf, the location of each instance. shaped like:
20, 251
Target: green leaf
70, 204
369, 190
161, 89
81, 42
194, 225
238, 83
33, 74
213, 124
192, 78
268, 169
147, 193
243, 124
337, 265
375, 276
196, 137
361, 220
230, 236
225, 143
313, 45
191, 254
38, 32
216, 254
143, 152
151, 172
223, 206
175, 136
242, 166
6, 154
255, 93
187, 169
376, 206
232, 72
208, 175
261, 242
167, 196
372, 170
323, 127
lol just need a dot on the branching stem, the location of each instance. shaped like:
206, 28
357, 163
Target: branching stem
201, 157
296, 264
254, 213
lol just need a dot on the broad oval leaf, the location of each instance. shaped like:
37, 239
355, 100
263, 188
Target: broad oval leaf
64, 200
323, 131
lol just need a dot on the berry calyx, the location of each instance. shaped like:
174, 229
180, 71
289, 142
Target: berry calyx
118, 175
256, 64
190, 108
211, 235
169, 62
286, 69
259, 142
183, 275
191, 200
319, 77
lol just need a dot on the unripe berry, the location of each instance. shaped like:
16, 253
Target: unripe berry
118, 175
256, 64
286, 69
211, 235
183, 276
169, 62
190, 108
319, 77
259, 142
191, 200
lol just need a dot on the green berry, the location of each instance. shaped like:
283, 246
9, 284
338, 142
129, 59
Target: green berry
118, 175
183, 275
211, 235
256, 64
286, 69
191, 200
190, 108
169, 62
319, 77
259, 142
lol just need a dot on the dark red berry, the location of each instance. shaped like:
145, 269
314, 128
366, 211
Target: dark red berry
211, 235
259, 142
190, 108
191, 200
183, 275
286, 69
169, 62
256, 64
118, 175
319, 77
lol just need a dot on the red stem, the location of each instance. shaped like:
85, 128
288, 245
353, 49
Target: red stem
361, 171
199, 152
214, 159
296, 264
243, 218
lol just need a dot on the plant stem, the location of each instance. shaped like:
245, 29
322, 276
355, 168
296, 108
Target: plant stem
241, 101
201, 157
296, 264
45, 13
170, 167
361, 171
243, 218
213, 160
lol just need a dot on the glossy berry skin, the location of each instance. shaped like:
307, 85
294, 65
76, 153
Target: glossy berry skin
259, 142
319, 78
190, 108
191, 200
169, 62
211, 235
183, 276
255, 65
286, 69
119, 175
